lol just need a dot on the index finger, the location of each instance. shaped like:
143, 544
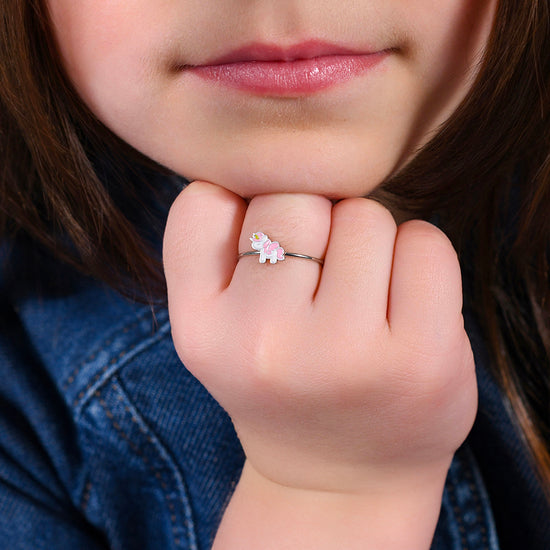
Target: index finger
200, 242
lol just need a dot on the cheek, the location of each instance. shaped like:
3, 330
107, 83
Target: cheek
106, 51
451, 35
449, 38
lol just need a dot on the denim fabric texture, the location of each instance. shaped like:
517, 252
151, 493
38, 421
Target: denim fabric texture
465, 521
107, 441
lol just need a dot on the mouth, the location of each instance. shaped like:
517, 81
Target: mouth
305, 68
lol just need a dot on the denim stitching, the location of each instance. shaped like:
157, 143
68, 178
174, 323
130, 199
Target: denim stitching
72, 377
138, 452
489, 534
115, 364
479, 511
458, 518
98, 375
480, 520
86, 496
158, 476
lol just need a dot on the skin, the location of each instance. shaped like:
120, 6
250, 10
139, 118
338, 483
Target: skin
121, 57
351, 385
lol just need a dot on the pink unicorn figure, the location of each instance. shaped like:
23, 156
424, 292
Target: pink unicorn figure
268, 250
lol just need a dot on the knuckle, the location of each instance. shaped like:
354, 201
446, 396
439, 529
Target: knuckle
426, 239
267, 358
366, 214
430, 262
178, 234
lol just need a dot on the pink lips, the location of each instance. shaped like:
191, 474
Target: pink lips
302, 69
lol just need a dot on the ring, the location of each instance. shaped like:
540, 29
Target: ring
272, 250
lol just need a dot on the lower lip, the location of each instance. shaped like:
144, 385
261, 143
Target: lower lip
301, 76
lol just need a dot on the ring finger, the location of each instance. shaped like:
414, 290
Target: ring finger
300, 223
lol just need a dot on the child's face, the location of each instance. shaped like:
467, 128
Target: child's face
339, 132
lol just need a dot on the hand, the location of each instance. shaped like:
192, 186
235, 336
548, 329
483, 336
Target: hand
343, 378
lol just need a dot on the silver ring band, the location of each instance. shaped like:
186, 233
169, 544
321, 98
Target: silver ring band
294, 255
271, 250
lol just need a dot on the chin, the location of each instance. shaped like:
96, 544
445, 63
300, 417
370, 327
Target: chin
334, 180
250, 185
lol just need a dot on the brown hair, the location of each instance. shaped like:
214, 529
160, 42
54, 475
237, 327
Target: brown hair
486, 175
53, 154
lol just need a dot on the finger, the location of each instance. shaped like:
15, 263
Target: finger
426, 289
300, 223
200, 242
356, 275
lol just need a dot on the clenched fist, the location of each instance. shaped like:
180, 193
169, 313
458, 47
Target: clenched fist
344, 377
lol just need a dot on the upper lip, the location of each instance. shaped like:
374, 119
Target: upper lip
257, 51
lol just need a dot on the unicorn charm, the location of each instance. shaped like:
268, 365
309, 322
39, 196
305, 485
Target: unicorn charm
268, 250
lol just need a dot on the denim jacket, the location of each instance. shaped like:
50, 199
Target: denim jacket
107, 441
